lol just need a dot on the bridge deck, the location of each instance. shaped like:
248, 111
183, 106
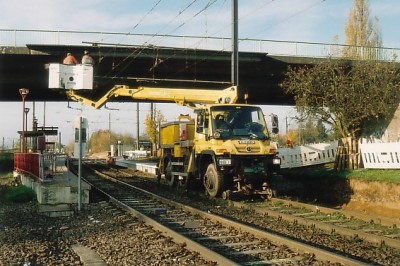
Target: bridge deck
190, 61
260, 74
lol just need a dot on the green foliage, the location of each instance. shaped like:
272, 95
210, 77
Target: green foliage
19, 194
350, 96
7, 175
313, 130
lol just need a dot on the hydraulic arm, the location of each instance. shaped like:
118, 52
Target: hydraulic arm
181, 96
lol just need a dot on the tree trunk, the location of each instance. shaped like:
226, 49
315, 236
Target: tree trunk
347, 154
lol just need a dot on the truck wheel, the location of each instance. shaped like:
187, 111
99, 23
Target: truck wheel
171, 180
226, 195
213, 181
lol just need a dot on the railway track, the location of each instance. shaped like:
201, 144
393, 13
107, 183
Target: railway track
373, 229
218, 239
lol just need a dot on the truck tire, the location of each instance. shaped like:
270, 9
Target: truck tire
171, 179
213, 181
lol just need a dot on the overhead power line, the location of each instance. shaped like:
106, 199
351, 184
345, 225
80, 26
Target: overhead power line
137, 51
148, 12
288, 18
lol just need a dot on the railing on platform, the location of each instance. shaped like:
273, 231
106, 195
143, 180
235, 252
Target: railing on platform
39, 166
29, 163
19, 38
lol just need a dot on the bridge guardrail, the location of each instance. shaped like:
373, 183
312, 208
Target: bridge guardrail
20, 37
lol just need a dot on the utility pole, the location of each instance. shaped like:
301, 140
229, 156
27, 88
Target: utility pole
80, 164
109, 131
235, 44
137, 128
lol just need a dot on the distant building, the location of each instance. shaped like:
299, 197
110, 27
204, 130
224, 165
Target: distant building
392, 132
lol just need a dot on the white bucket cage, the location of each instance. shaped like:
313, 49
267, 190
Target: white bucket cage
70, 77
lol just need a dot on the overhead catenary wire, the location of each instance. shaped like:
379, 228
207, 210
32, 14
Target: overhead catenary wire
137, 51
258, 8
208, 5
286, 18
143, 17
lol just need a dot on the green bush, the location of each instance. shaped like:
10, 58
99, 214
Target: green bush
19, 194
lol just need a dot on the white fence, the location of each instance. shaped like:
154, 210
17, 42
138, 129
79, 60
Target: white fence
373, 155
137, 154
381, 155
307, 155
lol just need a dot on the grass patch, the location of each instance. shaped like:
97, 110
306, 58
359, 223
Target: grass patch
385, 175
19, 194
313, 172
6, 175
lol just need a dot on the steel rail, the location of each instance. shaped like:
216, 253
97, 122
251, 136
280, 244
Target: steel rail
323, 226
274, 238
350, 214
190, 244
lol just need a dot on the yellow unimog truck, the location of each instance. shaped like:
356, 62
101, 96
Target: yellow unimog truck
226, 147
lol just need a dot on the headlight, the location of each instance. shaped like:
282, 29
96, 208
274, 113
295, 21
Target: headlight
225, 161
217, 135
276, 160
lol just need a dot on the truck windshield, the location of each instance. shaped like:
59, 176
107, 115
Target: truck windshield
238, 122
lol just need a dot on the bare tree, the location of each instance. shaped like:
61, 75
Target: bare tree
362, 34
153, 124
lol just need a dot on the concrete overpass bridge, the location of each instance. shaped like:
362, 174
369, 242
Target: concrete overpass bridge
156, 60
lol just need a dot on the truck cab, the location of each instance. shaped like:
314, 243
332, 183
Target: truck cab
229, 151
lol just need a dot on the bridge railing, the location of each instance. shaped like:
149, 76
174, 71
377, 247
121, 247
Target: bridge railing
19, 38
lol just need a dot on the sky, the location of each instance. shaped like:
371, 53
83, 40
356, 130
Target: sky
284, 20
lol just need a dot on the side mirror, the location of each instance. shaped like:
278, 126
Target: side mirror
199, 123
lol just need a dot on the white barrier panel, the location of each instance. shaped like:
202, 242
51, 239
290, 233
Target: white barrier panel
136, 154
381, 155
307, 155
147, 168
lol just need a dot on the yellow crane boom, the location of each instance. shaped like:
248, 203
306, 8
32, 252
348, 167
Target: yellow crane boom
181, 96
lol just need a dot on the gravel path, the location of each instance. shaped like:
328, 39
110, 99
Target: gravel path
28, 238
